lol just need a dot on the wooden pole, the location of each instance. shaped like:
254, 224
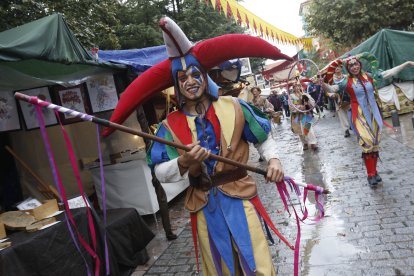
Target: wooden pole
109, 124
46, 189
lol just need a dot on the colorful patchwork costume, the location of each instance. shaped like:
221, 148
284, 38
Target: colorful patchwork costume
364, 115
225, 210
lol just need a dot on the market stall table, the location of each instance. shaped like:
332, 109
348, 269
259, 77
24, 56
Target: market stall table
52, 252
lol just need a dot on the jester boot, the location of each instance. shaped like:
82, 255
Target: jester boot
375, 156
370, 164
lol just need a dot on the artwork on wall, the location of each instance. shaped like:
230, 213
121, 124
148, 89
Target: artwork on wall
73, 98
102, 93
28, 110
246, 69
9, 115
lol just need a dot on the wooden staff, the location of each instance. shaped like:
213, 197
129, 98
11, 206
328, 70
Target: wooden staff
46, 188
106, 123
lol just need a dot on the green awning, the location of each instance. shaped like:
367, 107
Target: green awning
391, 48
45, 52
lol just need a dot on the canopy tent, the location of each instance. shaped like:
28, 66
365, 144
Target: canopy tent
45, 52
391, 48
142, 59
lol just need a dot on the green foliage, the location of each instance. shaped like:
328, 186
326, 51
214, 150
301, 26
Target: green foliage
122, 24
91, 21
348, 22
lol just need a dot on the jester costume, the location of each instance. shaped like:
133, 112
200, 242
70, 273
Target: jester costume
222, 199
227, 224
364, 115
301, 122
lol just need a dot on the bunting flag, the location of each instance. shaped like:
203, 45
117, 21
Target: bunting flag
245, 18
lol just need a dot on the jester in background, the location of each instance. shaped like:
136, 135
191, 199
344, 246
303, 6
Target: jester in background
222, 199
364, 115
301, 105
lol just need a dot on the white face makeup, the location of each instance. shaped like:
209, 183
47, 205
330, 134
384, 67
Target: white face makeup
191, 83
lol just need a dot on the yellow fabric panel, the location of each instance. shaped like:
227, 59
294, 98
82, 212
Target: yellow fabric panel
226, 115
262, 256
366, 140
207, 262
192, 126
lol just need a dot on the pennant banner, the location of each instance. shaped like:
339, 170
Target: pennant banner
245, 18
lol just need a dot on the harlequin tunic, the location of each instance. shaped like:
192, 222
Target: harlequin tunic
365, 116
229, 230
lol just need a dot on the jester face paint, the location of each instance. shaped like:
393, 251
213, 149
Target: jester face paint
191, 83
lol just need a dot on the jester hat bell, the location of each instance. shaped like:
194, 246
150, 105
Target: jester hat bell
183, 54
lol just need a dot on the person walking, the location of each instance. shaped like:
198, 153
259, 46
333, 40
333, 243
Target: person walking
364, 115
301, 105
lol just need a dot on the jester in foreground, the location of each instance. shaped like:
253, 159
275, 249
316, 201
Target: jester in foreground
364, 115
222, 199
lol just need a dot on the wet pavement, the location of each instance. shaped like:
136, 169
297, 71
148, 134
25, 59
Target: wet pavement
365, 231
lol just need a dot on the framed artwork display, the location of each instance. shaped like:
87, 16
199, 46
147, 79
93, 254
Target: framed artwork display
73, 98
9, 115
28, 110
259, 79
102, 92
246, 69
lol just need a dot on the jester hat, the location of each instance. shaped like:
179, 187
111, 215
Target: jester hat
183, 54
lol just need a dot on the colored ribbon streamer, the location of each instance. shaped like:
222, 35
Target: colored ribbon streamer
103, 191
61, 189
285, 196
57, 180
82, 192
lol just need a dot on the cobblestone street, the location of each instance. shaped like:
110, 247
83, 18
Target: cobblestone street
366, 231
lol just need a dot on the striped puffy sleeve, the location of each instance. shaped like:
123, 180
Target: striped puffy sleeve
158, 152
257, 125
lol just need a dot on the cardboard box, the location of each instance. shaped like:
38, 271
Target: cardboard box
2, 231
48, 208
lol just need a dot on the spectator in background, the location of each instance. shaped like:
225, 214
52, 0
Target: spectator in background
314, 89
285, 103
275, 100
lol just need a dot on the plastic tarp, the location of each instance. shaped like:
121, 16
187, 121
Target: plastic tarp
391, 48
142, 59
138, 59
45, 52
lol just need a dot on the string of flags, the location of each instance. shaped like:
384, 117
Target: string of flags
245, 18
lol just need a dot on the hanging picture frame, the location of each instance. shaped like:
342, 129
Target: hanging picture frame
102, 93
9, 115
73, 98
246, 69
29, 112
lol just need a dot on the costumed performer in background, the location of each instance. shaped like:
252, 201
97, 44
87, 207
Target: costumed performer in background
301, 105
342, 100
221, 198
364, 116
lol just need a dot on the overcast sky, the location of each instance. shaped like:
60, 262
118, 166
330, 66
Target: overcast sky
283, 14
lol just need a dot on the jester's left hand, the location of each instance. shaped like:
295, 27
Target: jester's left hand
275, 171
